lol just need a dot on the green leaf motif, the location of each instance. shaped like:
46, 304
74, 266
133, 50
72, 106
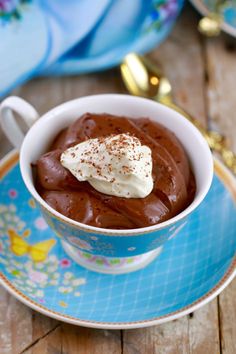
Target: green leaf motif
99, 261
115, 261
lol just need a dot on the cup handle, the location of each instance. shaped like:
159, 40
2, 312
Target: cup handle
9, 125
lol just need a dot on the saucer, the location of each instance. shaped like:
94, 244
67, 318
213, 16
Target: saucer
228, 13
193, 267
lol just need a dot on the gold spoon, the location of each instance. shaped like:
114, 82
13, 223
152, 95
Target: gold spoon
143, 78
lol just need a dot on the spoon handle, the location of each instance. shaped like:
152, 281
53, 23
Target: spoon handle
215, 140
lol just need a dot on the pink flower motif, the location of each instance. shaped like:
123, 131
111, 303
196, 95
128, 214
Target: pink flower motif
12, 193
65, 263
80, 243
37, 277
41, 300
40, 223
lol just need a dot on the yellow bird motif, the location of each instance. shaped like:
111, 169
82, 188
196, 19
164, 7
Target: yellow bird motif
38, 252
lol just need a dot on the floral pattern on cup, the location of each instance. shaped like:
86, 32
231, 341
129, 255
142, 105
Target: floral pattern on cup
105, 245
107, 262
78, 242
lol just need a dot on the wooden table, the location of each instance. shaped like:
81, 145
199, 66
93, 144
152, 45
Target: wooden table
203, 73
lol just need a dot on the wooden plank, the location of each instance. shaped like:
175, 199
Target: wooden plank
86, 340
221, 68
181, 59
19, 325
71, 339
41, 325
227, 305
46, 93
196, 334
5, 145
204, 330
51, 344
168, 338
15, 324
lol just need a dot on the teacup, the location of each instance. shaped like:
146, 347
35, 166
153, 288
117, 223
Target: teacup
105, 250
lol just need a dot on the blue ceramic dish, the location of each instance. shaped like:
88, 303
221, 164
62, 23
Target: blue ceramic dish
192, 269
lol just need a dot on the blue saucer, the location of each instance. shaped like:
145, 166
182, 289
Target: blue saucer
192, 269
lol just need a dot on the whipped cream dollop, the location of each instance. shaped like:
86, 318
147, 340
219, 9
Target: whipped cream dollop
117, 165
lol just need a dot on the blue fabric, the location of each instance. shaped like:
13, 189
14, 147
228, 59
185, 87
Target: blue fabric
57, 37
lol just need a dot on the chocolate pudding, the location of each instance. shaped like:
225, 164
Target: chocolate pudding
173, 181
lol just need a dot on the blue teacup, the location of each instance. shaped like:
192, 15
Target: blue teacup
105, 250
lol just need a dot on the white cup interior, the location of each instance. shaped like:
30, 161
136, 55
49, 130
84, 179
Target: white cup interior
46, 128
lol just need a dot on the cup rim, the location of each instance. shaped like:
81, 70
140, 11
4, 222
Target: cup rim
116, 232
